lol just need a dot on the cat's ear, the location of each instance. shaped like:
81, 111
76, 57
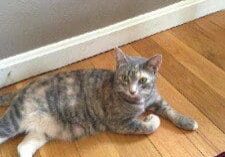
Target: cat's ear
153, 63
120, 57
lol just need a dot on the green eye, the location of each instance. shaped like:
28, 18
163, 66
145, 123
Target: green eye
143, 80
125, 78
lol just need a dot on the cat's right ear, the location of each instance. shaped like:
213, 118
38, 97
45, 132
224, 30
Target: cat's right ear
120, 57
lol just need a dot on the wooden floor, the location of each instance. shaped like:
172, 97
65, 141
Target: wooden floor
192, 79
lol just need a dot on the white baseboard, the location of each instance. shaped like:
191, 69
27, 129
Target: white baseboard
65, 52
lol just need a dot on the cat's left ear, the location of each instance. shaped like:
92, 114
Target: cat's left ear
154, 63
120, 57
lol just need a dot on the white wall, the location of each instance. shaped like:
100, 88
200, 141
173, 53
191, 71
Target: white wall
29, 24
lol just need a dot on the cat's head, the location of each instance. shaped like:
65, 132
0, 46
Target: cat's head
135, 76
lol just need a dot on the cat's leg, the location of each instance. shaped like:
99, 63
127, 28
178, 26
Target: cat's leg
161, 107
137, 126
3, 139
31, 143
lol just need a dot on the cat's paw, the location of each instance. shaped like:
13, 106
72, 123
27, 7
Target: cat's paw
187, 123
152, 122
3, 139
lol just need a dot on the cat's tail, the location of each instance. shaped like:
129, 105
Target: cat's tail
10, 122
4, 99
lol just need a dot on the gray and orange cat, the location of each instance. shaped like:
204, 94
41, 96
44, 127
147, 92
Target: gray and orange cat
79, 103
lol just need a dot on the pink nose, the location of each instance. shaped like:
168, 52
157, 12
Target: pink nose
132, 92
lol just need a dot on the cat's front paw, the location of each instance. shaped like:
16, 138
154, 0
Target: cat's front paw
187, 123
152, 122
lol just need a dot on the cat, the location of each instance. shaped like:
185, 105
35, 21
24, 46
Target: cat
79, 103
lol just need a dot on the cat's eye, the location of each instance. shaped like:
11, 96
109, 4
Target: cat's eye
143, 80
125, 78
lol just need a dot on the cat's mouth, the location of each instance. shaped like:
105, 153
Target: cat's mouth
132, 99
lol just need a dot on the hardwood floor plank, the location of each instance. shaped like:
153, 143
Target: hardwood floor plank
218, 19
58, 148
8, 149
194, 37
98, 145
133, 145
104, 61
199, 93
8, 89
212, 30
202, 68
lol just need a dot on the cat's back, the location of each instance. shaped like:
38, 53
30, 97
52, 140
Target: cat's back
54, 92
68, 84
84, 78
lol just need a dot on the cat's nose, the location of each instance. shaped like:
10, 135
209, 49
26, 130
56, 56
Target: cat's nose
133, 89
132, 92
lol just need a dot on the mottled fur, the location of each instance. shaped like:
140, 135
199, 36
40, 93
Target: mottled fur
80, 103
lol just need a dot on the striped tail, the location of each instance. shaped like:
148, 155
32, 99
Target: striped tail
10, 122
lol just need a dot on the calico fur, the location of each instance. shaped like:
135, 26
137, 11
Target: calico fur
79, 103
